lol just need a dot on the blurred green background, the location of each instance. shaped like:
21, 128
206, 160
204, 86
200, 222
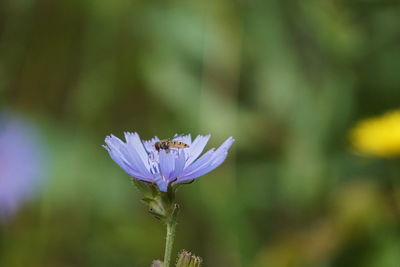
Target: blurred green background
287, 79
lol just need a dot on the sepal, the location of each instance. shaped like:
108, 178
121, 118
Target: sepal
161, 204
156, 207
177, 185
149, 190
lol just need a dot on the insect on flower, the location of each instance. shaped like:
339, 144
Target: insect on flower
154, 161
167, 144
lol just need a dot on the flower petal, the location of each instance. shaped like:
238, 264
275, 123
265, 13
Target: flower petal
179, 164
128, 154
167, 164
149, 144
116, 146
214, 161
161, 182
225, 146
214, 164
127, 168
118, 152
133, 140
136, 161
199, 163
196, 148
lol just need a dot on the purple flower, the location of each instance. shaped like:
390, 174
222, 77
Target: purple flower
21, 165
142, 160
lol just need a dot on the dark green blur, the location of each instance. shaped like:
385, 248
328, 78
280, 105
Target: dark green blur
287, 79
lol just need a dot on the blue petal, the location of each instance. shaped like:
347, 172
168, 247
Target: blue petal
127, 159
179, 164
149, 144
127, 168
161, 183
225, 146
136, 161
214, 164
214, 161
199, 163
116, 146
133, 140
167, 164
196, 148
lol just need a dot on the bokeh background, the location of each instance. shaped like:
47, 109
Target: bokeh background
287, 79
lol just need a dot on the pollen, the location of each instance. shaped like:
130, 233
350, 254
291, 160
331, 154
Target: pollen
378, 136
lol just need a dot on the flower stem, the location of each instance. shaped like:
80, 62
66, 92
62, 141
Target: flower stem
171, 227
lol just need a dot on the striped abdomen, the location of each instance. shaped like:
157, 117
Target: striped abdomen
167, 144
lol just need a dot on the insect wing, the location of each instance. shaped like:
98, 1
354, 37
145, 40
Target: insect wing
177, 137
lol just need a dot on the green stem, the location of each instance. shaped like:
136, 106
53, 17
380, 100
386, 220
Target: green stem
171, 227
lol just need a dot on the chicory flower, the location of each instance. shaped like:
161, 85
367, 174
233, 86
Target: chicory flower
141, 160
21, 164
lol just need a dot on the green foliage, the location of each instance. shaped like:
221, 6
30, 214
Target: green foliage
287, 79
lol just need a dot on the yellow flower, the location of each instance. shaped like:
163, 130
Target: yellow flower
378, 136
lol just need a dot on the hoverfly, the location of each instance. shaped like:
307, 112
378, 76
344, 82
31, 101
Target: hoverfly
166, 144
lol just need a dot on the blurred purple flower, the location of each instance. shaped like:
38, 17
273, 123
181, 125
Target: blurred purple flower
20, 164
142, 161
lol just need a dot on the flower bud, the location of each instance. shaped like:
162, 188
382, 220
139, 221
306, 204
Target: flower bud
157, 263
186, 259
195, 261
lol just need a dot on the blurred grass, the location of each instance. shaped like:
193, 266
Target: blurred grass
287, 79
